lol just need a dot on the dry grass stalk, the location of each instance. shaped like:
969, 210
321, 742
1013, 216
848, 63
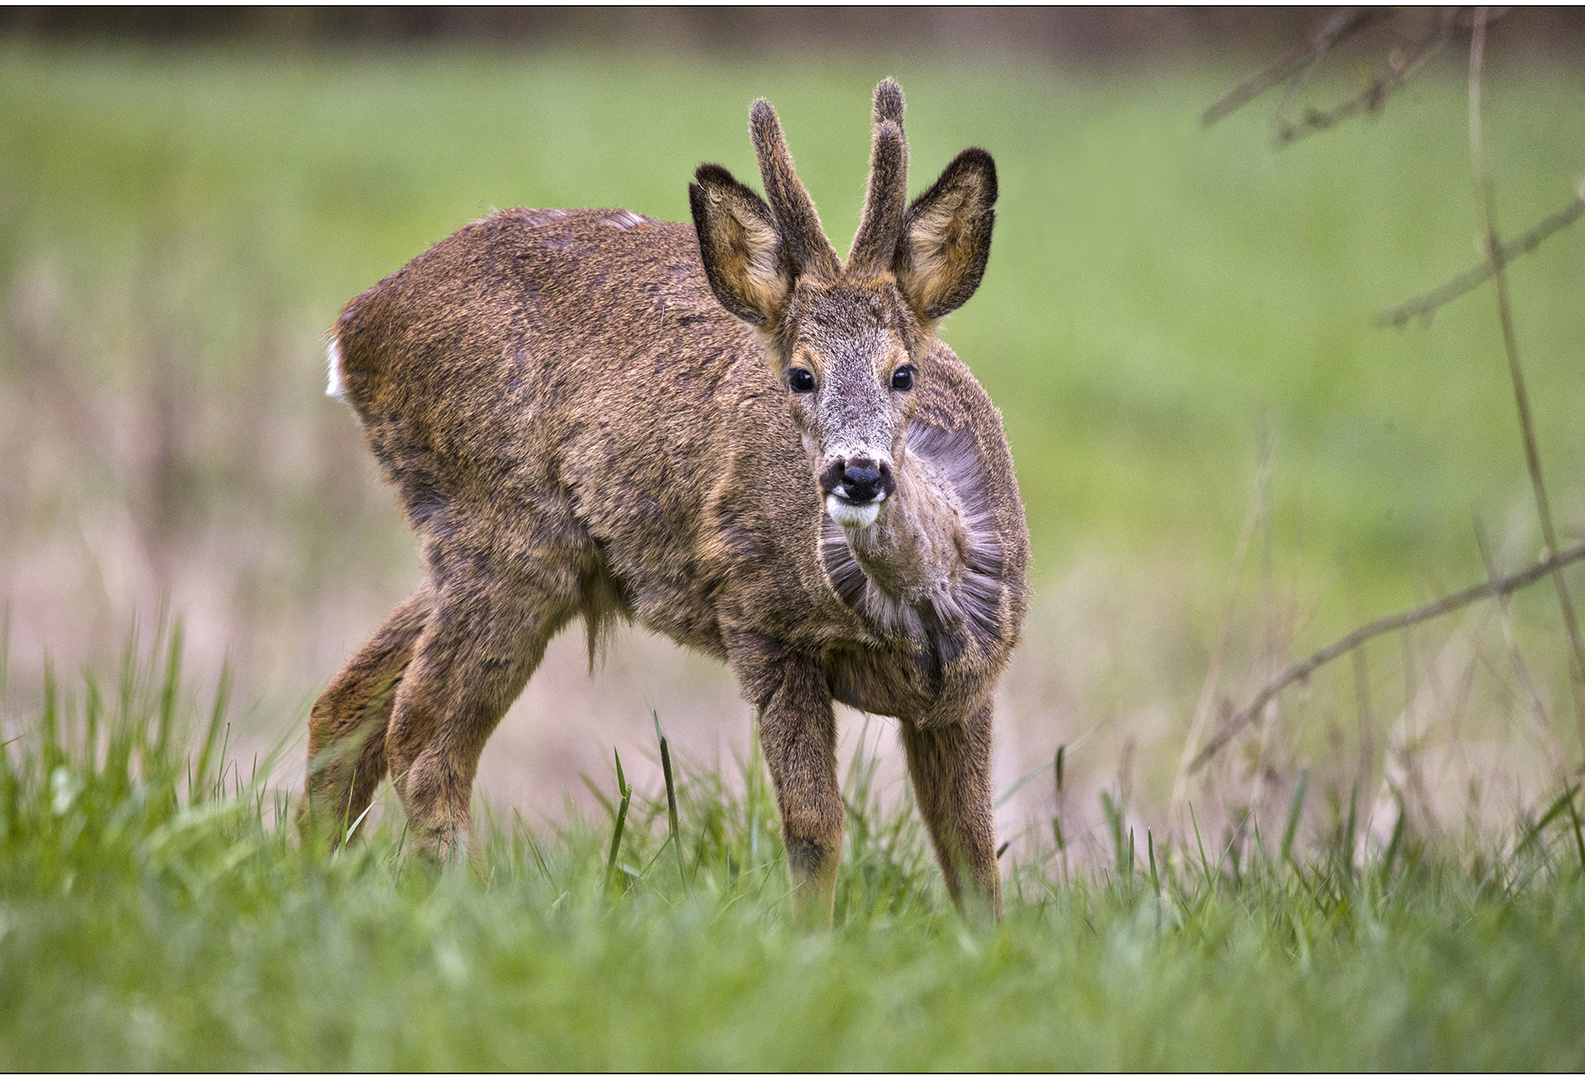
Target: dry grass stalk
1531, 696
1367, 724
1207, 698
1485, 208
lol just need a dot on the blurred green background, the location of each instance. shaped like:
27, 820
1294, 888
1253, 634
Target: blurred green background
180, 221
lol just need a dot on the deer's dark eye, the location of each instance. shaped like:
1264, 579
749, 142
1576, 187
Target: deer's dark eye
800, 381
903, 378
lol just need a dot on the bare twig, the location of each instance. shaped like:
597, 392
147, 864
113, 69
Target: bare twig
1401, 63
1423, 306
1486, 209
1339, 25
1386, 624
1279, 119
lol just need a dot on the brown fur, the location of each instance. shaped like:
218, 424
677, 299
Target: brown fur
576, 424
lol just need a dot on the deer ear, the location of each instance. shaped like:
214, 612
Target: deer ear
740, 246
946, 237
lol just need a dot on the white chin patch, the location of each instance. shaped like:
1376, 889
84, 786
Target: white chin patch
849, 516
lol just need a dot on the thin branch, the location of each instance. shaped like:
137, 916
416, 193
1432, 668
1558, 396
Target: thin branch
1295, 66
1386, 624
1339, 25
1296, 83
1400, 65
1423, 306
1485, 207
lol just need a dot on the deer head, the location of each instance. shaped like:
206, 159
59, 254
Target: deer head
845, 341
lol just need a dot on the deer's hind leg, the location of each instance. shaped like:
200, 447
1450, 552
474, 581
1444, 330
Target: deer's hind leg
347, 725
492, 617
950, 767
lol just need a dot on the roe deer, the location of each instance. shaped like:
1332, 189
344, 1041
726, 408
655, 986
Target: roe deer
723, 432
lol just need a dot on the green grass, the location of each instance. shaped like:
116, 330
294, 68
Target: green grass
156, 912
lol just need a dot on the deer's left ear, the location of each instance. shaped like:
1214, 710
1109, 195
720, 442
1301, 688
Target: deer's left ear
740, 246
946, 237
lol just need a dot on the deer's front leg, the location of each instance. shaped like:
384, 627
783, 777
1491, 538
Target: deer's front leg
951, 771
797, 732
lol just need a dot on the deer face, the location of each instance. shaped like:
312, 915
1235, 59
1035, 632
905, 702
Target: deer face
842, 338
850, 381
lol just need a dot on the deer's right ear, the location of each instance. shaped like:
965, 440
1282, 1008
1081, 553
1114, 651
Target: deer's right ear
740, 246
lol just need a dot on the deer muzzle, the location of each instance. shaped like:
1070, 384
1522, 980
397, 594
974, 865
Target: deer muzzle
854, 489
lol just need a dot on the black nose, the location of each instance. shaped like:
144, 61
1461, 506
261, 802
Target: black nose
864, 481
860, 483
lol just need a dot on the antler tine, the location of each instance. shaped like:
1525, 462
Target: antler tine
889, 102
803, 240
886, 193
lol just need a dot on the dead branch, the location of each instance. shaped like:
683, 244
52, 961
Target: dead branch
1295, 66
1386, 624
1401, 63
1424, 306
1339, 25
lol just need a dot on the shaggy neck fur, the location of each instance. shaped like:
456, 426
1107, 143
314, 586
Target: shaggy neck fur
929, 567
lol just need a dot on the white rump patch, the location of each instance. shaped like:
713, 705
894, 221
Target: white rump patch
336, 386
626, 219
849, 516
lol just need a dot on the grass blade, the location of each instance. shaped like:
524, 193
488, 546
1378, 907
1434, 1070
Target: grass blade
626, 791
1563, 802
1397, 839
1294, 810
671, 796
206, 754
1114, 822
170, 688
1205, 864
1349, 830
1579, 837
1150, 847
